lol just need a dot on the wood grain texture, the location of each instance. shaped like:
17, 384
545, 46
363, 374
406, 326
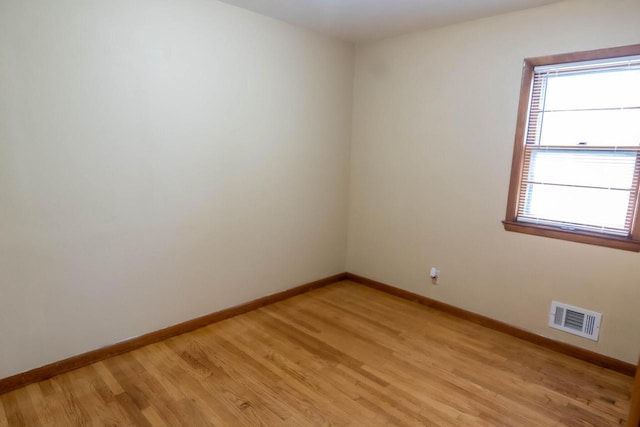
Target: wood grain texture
343, 354
634, 413
568, 349
616, 242
75, 362
517, 160
586, 55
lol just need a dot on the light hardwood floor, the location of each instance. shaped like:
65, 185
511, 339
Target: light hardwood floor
341, 355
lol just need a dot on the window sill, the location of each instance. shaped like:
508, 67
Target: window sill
574, 236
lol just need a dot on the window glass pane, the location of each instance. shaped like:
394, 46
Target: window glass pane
599, 127
603, 89
602, 208
610, 169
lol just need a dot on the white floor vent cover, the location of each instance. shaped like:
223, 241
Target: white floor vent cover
575, 320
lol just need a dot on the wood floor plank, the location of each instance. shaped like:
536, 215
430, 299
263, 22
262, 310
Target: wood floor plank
53, 403
342, 355
306, 387
24, 402
337, 381
40, 405
108, 379
307, 396
154, 417
12, 411
3, 417
71, 406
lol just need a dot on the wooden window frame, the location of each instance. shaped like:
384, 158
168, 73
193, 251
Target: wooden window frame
630, 243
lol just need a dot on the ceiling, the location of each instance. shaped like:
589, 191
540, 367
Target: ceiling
366, 20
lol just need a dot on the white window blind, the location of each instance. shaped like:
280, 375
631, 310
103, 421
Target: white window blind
581, 160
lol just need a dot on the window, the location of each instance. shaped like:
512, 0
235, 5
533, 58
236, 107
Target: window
576, 159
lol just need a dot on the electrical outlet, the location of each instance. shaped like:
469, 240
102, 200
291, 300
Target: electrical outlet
435, 275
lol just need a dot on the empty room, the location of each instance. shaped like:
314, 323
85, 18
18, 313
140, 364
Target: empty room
319, 212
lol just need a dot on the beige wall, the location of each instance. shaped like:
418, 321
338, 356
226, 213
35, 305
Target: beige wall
160, 160
434, 119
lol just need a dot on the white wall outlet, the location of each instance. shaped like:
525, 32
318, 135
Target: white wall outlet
435, 275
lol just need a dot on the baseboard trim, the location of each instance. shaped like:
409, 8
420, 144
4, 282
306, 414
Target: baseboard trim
568, 349
84, 359
56, 368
